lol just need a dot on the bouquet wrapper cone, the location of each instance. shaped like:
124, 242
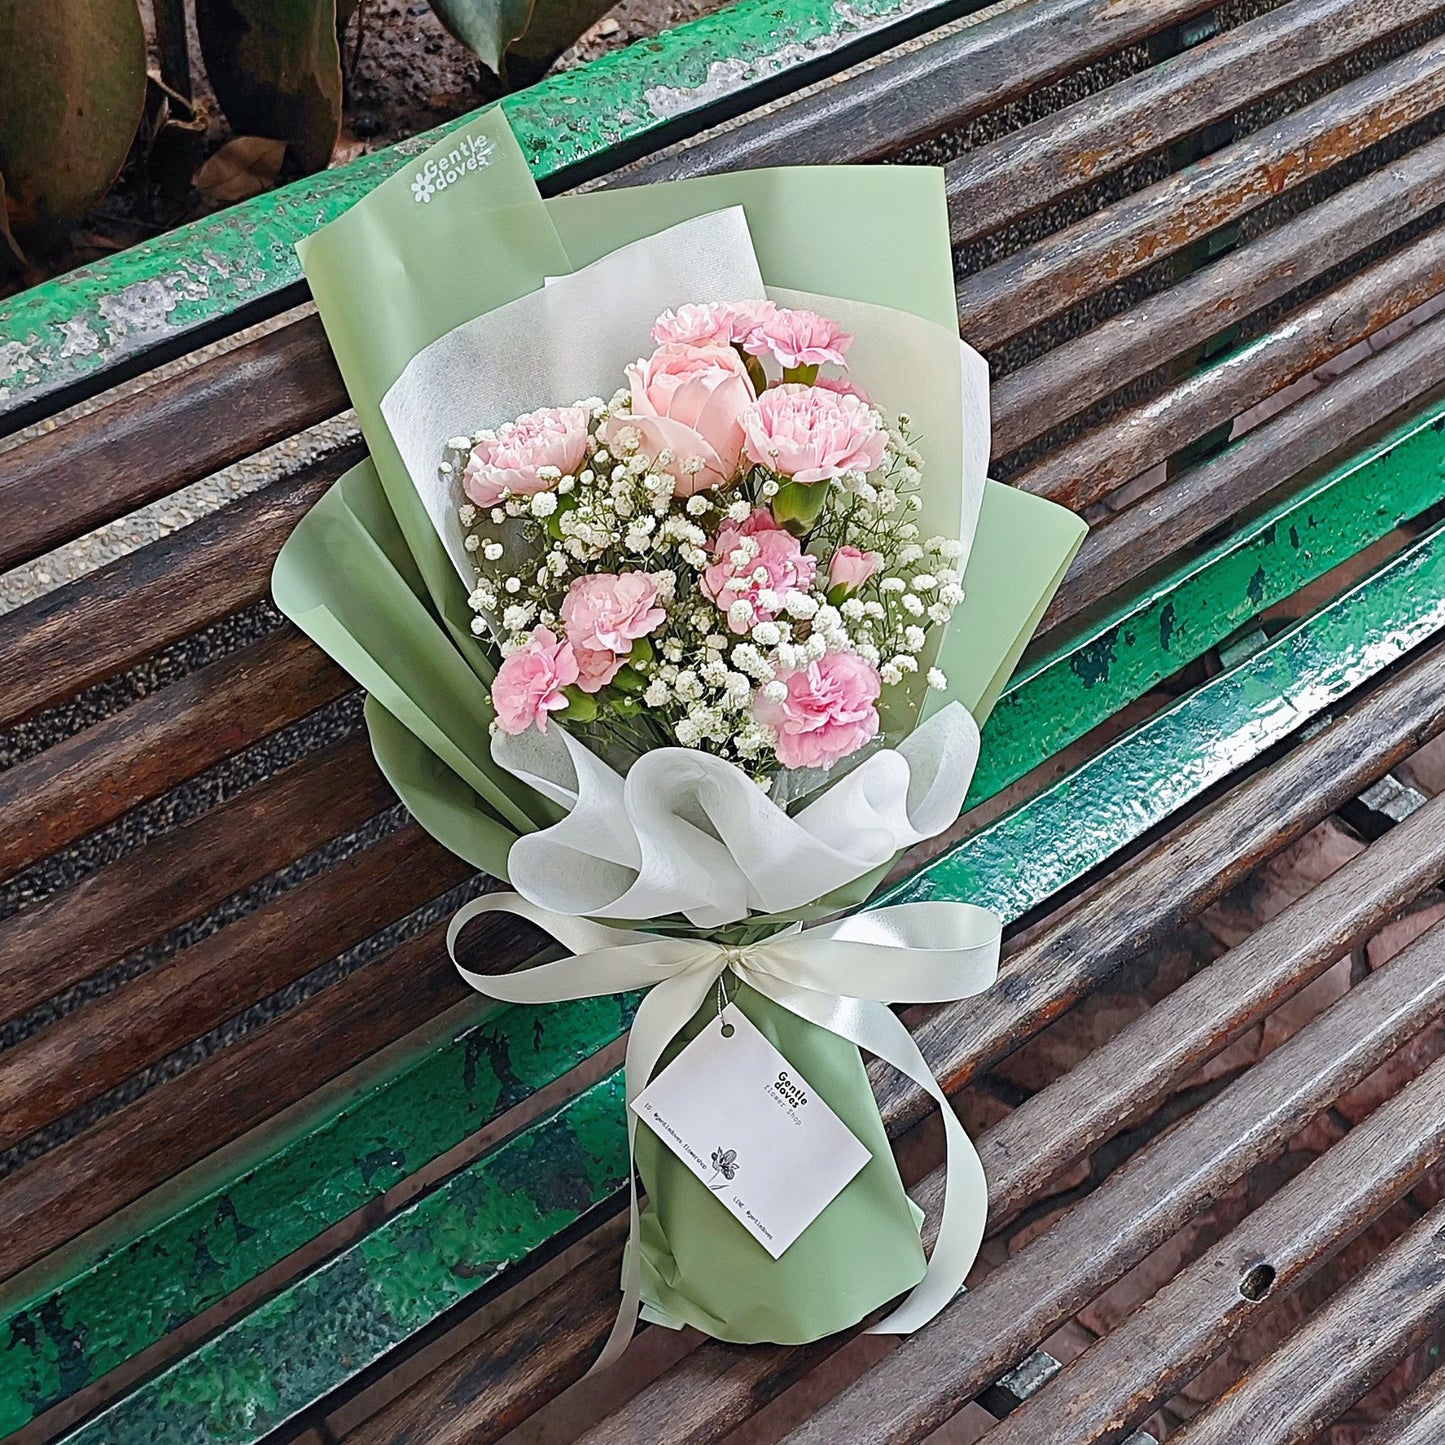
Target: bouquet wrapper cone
365, 575
700, 1267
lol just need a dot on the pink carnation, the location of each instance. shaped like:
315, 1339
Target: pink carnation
799, 338
529, 683
749, 317
843, 388
689, 401
596, 668
828, 714
812, 435
512, 461
760, 544
851, 568
707, 324
609, 611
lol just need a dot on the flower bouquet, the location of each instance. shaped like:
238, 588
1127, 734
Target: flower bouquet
679, 593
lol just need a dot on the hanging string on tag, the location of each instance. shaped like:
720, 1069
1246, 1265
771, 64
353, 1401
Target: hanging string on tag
722, 1003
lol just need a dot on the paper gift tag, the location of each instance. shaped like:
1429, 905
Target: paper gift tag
747, 1123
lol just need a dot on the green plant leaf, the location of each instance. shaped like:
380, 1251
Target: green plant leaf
536, 31
276, 69
72, 83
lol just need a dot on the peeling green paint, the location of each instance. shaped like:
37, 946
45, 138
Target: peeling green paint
70, 1331
346, 1314
1194, 606
142, 304
318, 1333
76, 1328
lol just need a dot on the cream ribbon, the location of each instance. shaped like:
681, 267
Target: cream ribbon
841, 976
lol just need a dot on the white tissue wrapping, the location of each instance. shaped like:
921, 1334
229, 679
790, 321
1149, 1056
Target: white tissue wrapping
685, 832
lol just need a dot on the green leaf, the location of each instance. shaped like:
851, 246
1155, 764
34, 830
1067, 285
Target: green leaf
276, 69
72, 83
536, 31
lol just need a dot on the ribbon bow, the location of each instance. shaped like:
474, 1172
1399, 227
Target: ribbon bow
841, 976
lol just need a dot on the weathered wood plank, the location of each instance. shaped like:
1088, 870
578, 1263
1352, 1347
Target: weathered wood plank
1047, 278
64, 482
1420, 1420
102, 1043
1072, 377
121, 613
1168, 520
1337, 1354
931, 1374
1164, 1343
1029, 169
166, 1130
1083, 472
94, 776
54, 945
919, 95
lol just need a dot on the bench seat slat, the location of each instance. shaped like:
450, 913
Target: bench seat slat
987, 869
925, 92
123, 612
1028, 1151
1390, 1308
1137, 1208
102, 1043
1034, 167
92, 777
65, 482
463, 1072
479, 1395
1418, 1420
1196, 501
1161, 328
84, 1180
1047, 278
74, 934
1180, 611
1153, 1353
1126, 445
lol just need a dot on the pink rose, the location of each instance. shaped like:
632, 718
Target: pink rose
812, 435
798, 338
843, 388
851, 568
609, 611
759, 544
688, 400
709, 324
529, 683
511, 462
828, 714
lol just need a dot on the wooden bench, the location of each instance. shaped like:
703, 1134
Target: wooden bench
267, 1170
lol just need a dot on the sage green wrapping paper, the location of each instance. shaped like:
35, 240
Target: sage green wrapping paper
365, 575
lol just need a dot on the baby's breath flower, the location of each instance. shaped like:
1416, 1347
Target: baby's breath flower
936, 679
